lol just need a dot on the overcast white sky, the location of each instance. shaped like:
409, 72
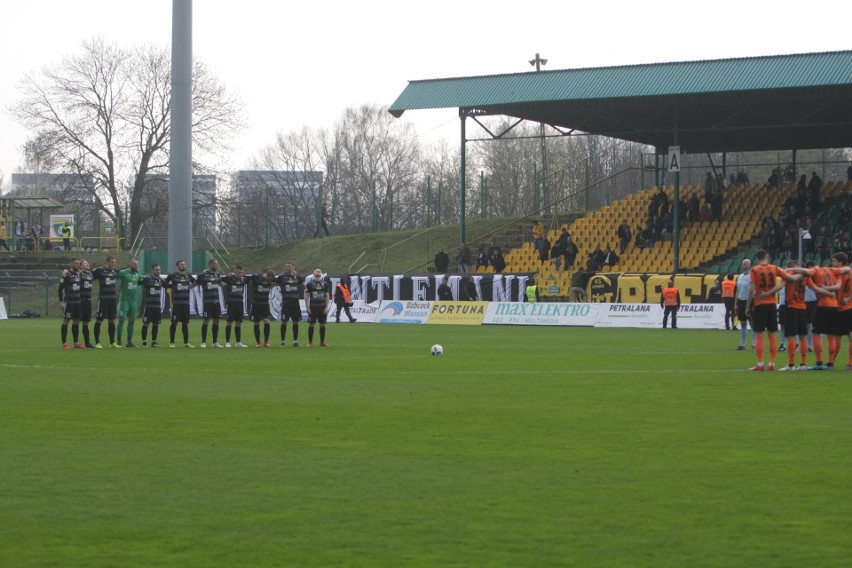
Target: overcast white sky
298, 64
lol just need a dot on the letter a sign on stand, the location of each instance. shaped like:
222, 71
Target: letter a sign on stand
674, 159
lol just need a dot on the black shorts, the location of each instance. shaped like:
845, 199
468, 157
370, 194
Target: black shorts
212, 310
741, 310
72, 312
180, 313
86, 311
152, 314
845, 322
782, 311
827, 321
795, 322
317, 314
764, 318
291, 310
811, 309
107, 309
235, 311
260, 312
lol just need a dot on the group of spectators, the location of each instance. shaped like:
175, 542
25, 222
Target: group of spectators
25, 239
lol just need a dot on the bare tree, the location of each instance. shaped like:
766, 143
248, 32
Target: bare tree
104, 114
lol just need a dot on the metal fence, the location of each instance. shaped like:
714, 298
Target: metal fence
30, 293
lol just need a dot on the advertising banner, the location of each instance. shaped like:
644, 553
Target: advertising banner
57, 222
515, 313
403, 312
630, 315
488, 287
458, 313
701, 316
361, 311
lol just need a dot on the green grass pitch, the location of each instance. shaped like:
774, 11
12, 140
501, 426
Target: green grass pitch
521, 446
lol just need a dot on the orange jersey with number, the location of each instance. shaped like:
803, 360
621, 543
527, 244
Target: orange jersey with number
728, 288
824, 276
845, 291
763, 279
795, 294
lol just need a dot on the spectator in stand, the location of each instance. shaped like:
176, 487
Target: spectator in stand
693, 209
706, 214
464, 258
3, 237
495, 257
481, 257
732, 180
539, 240
66, 236
19, 234
709, 187
595, 260
662, 202
624, 235
649, 234
445, 293
714, 296
844, 218
579, 281
610, 258
640, 239
803, 183
774, 178
668, 227
469, 291
442, 262
742, 177
814, 187
790, 173
570, 252
556, 254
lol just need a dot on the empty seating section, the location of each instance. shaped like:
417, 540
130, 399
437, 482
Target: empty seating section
701, 243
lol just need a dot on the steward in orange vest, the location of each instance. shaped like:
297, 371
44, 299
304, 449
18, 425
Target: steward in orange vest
729, 290
670, 300
343, 299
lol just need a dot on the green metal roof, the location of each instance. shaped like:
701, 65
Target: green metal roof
782, 101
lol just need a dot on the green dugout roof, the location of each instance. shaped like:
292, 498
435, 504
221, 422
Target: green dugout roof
756, 103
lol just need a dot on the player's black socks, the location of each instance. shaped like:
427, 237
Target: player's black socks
154, 330
203, 333
97, 332
64, 334
215, 333
172, 330
266, 329
85, 334
75, 331
283, 332
238, 334
322, 333
185, 330
295, 332
257, 333
310, 334
111, 330
144, 333
227, 334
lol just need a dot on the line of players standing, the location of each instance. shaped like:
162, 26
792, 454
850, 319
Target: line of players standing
117, 298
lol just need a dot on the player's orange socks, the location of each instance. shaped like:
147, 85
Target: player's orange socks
791, 351
833, 348
803, 350
773, 347
758, 347
818, 348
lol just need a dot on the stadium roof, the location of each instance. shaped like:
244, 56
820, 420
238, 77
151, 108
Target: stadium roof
756, 103
30, 202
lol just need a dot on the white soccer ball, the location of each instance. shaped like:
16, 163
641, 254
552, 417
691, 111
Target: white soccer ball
437, 350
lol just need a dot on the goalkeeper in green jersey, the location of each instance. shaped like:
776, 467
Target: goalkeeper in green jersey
128, 306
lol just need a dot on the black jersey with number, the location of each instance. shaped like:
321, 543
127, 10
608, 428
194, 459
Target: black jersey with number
87, 283
234, 288
106, 277
209, 282
70, 288
152, 288
290, 287
260, 288
317, 290
180, 283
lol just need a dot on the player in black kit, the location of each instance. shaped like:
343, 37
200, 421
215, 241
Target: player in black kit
317, 298
180, 283
69, 300
210, 281
261, 285
235, 287
152, 305
106, 276
291, 293
86, 286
